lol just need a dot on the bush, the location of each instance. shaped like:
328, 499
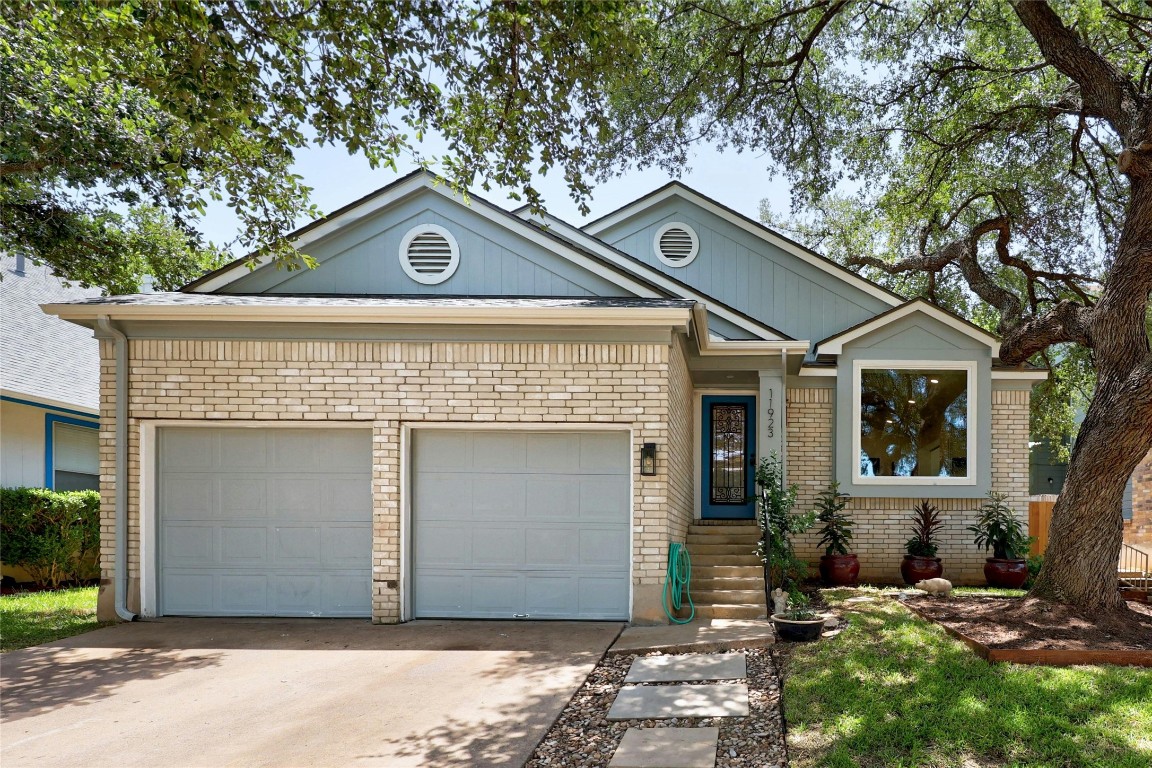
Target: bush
54, 536
778, 524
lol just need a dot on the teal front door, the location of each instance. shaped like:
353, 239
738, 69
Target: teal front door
729, 458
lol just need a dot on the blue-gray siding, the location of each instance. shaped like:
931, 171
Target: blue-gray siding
748, 273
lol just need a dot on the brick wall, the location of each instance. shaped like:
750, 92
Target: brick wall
681, 446
1138, 530
389, 384
882, 524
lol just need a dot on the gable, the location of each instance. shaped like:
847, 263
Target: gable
746, 271
916, 332
363, 258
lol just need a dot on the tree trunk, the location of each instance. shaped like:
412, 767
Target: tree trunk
1087, 526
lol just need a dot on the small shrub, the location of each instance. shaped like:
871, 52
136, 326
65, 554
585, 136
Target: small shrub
774, 503
998, 529
926, 527
54, 536
800, 608
1035, 563
836, 526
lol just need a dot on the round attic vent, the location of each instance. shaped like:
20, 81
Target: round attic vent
676, 244
429, 254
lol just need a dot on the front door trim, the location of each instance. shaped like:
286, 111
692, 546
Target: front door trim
702, 438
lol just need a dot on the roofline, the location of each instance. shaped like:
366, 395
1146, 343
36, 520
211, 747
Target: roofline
677, 318
834, 344
749, 225
729, 313
47, 403
998, 374
707, 347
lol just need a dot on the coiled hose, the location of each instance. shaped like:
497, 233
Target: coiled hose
676, 582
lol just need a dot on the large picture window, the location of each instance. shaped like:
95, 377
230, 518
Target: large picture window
914, 423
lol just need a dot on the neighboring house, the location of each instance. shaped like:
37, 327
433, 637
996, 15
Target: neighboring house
467, 412
49, 384
1138, 505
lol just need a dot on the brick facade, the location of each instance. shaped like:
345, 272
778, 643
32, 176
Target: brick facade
882, 524
392, 384
1138, 530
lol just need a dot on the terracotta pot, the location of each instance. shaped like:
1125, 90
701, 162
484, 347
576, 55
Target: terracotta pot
798, 631
839, 570
1009, 574
914, 568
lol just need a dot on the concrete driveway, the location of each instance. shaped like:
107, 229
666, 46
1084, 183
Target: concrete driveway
184, 693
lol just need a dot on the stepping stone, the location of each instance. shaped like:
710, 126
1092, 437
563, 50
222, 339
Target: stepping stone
646, 702
667, 748
686, 669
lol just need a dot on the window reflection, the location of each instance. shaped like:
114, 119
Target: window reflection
913, 423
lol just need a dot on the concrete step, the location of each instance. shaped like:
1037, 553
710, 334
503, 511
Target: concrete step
728, 596
705, 571
731, 611
722, 560
741, 529
720, 549
700, 538
724, 585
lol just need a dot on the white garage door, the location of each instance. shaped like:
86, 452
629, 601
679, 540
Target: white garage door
521, 524
265, 522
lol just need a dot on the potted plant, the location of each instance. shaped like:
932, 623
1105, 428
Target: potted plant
921, 562
837, 566
999, 530
799, 622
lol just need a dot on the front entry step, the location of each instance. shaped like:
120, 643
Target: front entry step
727, 576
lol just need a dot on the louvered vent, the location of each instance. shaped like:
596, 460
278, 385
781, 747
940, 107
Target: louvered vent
429, 254
676, 244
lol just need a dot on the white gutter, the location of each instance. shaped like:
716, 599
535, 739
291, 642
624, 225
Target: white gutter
120, 562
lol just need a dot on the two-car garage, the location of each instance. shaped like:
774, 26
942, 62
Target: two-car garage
278, 521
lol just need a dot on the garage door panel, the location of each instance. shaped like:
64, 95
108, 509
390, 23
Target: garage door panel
497, 546
243, 449
188, 496
260, 527
552, 498
498, 497
244, 495
189, 543
243, 545
601, 498
538, 514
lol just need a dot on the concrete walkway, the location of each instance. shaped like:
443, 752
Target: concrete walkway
299, 692
699, 636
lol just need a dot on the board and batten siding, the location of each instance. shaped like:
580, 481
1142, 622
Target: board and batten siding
362, 258
748, 273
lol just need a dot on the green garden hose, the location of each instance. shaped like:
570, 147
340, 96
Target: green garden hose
676, 582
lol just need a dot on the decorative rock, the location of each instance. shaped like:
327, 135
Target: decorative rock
652, 702
666, 748
684, 669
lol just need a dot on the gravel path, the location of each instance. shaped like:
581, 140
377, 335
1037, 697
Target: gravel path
582, 735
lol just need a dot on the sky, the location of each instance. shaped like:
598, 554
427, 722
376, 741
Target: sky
739, 181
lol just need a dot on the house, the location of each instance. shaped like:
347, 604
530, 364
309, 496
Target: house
471, 412
49, 384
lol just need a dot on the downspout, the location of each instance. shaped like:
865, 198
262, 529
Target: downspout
120, 563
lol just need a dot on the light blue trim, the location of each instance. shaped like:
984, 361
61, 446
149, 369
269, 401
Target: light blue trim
42, 406
50, 422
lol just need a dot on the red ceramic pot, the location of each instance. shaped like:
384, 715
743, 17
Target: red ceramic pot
915, 569
839, 570
1009, 574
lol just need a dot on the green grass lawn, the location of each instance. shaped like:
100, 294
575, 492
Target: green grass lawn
39, 617
894, 690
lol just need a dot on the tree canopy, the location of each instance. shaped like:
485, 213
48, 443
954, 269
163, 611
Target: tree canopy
108, 107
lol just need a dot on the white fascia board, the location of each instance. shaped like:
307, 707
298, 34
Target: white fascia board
1020, 375
818, 371
676, 318
50, 403
241, 267
653, 275
768, 236
835, 345
708, 346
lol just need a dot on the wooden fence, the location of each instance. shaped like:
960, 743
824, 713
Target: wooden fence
1039, 517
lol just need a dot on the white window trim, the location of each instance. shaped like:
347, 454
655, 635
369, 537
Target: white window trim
973, 401
691, 234
419, 277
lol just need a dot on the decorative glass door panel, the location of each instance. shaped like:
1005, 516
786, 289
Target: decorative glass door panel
729, 457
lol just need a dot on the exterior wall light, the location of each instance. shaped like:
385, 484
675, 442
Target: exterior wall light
648, 459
